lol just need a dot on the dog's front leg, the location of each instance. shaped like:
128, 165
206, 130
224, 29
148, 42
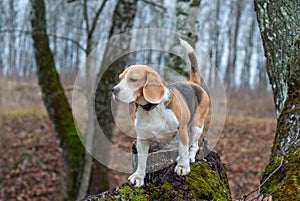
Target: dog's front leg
138, 176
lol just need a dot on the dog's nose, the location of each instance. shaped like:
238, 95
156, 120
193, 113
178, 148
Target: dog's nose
115, 90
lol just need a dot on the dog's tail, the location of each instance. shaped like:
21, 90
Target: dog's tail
195, 72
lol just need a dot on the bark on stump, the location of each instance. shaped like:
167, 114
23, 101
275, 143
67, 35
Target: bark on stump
207, 180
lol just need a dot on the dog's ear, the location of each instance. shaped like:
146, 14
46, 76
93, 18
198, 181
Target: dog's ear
153, 90
122, 75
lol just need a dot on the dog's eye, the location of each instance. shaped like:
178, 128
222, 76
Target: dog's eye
133, 80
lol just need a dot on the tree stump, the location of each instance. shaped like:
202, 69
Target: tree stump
207, 180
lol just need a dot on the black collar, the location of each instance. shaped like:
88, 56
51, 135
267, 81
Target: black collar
148, 106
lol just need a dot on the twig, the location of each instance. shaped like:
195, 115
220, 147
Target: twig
261, 185
281, 162
49, 34
70, 89
96, 17
46, 168
155, 5
25, 161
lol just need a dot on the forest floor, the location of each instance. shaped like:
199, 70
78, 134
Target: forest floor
32, 166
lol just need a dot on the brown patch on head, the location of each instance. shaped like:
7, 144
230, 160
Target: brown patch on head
153, 90
135, 76
144, 82
122, 75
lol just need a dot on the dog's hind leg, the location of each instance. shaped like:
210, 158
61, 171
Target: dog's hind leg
196, 133
183, 163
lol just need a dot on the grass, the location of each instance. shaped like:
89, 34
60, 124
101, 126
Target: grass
26, 110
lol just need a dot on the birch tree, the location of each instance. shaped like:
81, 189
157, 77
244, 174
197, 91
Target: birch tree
237, 8
187, 24
279, 23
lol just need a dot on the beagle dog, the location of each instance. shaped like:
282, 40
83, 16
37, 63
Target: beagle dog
163, 113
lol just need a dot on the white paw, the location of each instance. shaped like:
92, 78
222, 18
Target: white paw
192, 159
137, 179
182, 170
192, 156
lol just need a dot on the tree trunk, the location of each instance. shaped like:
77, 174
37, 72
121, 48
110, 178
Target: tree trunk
279, 23
278, 27
90, 129
12, 42
54, 98
233, 44
207, 180
187, 24
122, 21
246, 68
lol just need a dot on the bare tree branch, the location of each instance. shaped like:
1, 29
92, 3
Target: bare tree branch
154, 4
259, 187
97, 17
49, 34
85, 15
71, 89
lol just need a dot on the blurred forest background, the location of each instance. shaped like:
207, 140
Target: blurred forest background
228, 32
32, 162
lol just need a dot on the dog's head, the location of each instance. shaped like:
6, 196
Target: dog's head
139, 81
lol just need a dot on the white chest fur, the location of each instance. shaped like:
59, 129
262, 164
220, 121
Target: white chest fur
159, 124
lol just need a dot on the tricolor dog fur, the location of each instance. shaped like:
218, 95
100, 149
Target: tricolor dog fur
164, 113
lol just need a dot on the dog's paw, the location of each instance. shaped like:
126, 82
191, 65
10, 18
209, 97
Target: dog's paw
192, 156
182, 170
192, 159
137, 179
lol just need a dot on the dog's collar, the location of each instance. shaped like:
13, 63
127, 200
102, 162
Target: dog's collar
151, 106
148, 106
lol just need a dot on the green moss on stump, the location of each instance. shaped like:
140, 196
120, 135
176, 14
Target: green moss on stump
206, 181
207, 185
128, 193
201, 184
165, 192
